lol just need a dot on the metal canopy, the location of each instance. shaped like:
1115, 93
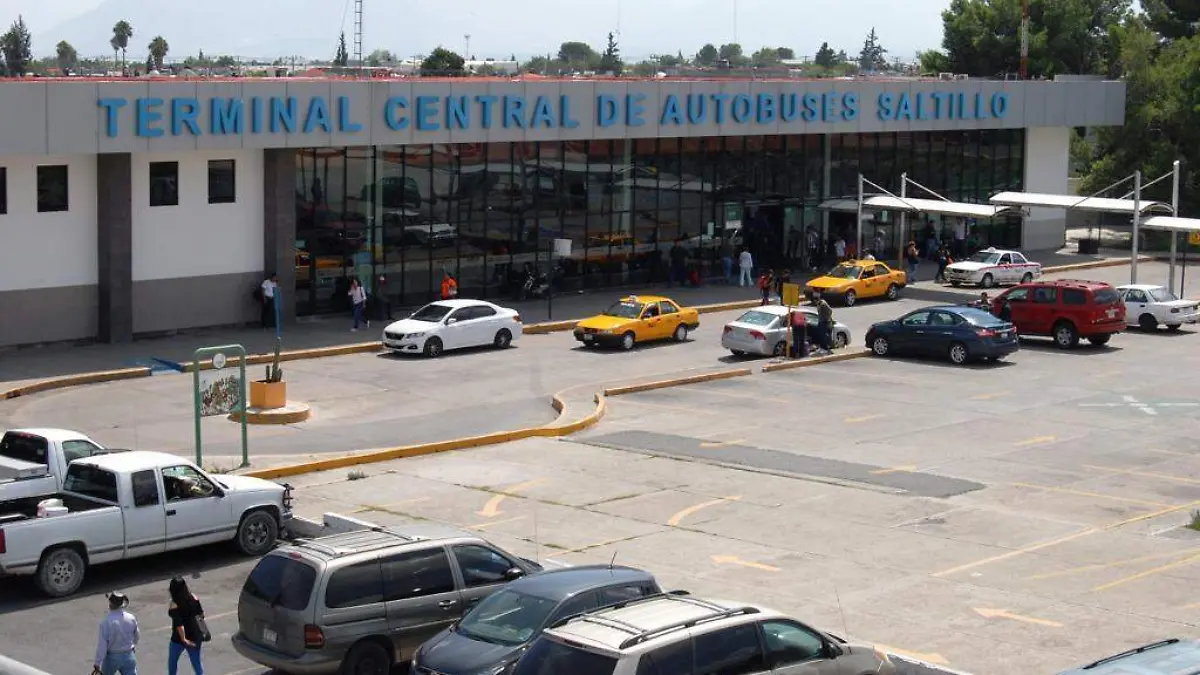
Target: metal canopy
1172, 224
1094, 204
840, 205
934, 207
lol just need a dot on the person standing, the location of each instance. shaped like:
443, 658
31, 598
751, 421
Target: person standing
799, 323
116, 649
877, 246
266, 296
824, 323
913, 256
726, 254
943, 261
358, 300
449, 286
765, 282
745, 267
678, 264
839, 248
188, 631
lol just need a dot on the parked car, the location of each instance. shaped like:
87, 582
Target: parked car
853, 280
961, 334
1166, 657
635, 319
364, 601
1148, 306
682, 635
764, 331
992, 267
134, 504
33, 463
453, 324
1065, 309
492, 636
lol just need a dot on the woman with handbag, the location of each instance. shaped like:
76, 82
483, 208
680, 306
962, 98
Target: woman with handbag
188, 628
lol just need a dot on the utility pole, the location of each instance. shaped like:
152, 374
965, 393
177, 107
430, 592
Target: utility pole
1024, 39
358, 32
467, 42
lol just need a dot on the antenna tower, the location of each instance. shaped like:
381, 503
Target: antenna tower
358, 32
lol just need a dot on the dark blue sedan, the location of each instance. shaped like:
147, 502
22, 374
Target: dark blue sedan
957, 332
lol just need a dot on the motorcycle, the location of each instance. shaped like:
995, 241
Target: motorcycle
536, 285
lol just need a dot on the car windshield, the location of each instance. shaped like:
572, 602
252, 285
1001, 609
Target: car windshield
507, 618
845, 272
757, 318
1107, 296
989, 257
1161, 294
625, 309
431, 313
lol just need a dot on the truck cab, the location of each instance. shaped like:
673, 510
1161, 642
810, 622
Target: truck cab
34, 461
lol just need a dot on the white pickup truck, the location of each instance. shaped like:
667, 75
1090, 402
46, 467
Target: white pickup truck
34, 461
134, 504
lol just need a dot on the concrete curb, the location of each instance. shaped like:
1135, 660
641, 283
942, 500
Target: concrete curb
1095, 264
295, 355
677, 381
815, 361
76, 380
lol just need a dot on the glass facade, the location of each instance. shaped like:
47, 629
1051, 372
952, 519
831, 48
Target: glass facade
489, 213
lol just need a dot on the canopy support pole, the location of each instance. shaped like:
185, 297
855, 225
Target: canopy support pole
1174, 234
902, 243
859, 234
1137, 222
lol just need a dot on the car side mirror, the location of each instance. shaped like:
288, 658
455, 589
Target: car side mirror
218, 492
450, 321
514, 573
832, 650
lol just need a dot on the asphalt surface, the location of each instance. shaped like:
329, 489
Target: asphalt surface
1066, 542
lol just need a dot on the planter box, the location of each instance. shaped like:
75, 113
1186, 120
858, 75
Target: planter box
1089, 246
268, 395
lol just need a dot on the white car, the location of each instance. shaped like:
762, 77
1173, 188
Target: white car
764, 330
1147, 306
453, 324
991, 267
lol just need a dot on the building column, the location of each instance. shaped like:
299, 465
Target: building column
114, 246
279, 224
1047, 168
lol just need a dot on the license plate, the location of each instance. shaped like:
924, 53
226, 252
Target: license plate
1112, 313
270, 636
588, 338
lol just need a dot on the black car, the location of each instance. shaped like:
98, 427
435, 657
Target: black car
492, 636
958, 332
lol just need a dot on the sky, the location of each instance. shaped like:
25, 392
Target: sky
310, 28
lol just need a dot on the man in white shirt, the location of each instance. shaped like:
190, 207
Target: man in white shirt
839, 248
119, 634
746, 268
267, 293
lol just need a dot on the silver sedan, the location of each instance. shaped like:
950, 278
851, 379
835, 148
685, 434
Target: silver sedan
764, 331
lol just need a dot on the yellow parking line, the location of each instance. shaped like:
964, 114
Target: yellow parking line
492, 508
721, 444
1098, 495
1036, 440
1143, 474
678, 517
896, 469
1100, 566
988, 397
1142, 575
484, 526
864, 418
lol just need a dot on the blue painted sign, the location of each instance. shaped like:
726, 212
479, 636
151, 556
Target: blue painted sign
151, 117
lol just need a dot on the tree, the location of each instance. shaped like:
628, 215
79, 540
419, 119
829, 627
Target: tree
65, 56
443, 62
825, 57
379, 57
16, 44
1172, 19
785, 54
873, 56
578, 55
610, 60
707, 56
158, 48
342, 57
537, 64
933, 62
732, 53
122, 32
765, 57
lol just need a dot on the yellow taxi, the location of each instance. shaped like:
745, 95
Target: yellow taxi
853, 280
638, 318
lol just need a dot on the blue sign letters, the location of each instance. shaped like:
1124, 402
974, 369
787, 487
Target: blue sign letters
151, 117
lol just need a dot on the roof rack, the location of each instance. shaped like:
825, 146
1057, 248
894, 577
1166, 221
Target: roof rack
724, 614
640, 635
354, 545
624, 603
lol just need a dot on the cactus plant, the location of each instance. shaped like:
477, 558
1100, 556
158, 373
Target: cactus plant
274, 372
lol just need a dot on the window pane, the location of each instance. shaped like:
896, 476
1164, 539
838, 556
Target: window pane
222, 184
355, 586
788, 643
52, 188
286, 582
480, 565
164, 183
418, 574
24, 448
668, 660
145, 488
73, 450
730, 651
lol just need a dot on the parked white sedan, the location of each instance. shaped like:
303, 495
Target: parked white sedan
992, 267
764, 331
1147, 306
453, 324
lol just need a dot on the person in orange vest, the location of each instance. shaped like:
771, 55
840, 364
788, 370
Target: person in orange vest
449, 286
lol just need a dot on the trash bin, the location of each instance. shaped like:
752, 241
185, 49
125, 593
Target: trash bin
1089, 246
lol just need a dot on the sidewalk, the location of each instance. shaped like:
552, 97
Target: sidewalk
26, 364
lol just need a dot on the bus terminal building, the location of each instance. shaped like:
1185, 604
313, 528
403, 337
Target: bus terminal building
134, 207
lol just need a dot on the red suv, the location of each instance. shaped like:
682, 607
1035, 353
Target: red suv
1065, 309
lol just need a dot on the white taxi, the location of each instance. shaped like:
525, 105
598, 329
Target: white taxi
1148, 306
992, 267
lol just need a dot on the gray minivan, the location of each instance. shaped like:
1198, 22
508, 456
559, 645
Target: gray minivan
363, 601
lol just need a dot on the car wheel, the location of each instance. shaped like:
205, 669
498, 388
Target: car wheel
956, 284
628, 341
841, 340
1065, 335
681, 332
433, 347
780, 348
959, 354
257, 533
893, 291
880, 346
987, 281
366, 658
850, 298
1027, 277
1147, 322
61, 572
503, 339
1099, 340
1173, 327
737, 352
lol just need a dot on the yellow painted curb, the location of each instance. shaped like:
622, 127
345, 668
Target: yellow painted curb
76, 380
677, 381
728, 306
1095, 264
815, 361
296, 355
548, 327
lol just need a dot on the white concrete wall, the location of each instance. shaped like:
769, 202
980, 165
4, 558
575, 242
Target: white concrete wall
48, 250
195, 238
1047, 164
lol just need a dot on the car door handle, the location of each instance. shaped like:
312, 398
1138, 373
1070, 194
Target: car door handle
447, 604
170, 512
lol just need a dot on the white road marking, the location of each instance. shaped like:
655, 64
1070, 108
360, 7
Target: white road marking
1147, 408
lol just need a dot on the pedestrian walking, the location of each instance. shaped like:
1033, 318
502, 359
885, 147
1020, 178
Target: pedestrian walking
839, 248
764, 286
824, 323
799, 321
116, 650
726, 254
745, 267
943, 260
266, 300
358, 300
449, 286
913, 257
188, 628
